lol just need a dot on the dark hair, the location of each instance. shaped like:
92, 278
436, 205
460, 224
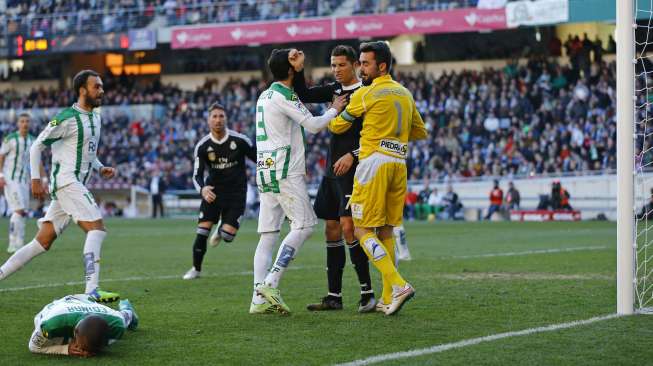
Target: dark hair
381, 51
94, 331
81, 78
216, 105
347, 51
24, 114
279, 64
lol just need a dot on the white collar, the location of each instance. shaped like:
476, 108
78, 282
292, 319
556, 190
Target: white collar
79, 109
222, 141
352, 86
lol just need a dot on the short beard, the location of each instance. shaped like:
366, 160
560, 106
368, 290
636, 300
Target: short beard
367, 81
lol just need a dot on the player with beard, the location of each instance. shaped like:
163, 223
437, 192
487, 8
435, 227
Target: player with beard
73, 137
331, 203
390, 121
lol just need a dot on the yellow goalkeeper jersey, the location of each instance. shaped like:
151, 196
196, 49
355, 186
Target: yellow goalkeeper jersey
390, 118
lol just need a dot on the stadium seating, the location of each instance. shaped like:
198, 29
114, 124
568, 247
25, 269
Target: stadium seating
524, 120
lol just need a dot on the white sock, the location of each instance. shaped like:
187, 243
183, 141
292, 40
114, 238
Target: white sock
19, 231
13, 229
127, 316
400, 239
262, 261
20, 258
287, 252
92, 248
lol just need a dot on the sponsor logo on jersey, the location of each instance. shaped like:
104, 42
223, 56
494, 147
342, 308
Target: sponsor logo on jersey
265, 164
394, 147
357, 210
211, 154
233, 146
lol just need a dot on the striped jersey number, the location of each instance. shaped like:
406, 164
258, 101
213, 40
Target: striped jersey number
261, 135
399, 115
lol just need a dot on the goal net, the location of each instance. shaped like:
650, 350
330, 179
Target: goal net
635, 281
140, 204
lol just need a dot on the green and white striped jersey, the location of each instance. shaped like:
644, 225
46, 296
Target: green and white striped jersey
73, 135
280, 121
59, 318
15, 148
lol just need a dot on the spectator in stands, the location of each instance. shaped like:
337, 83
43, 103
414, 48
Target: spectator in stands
513, 197
410, 202
496, 200
157, 189
452, 204
422, 207
435, 203
559, 197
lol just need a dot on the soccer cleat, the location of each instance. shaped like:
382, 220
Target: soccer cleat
273, 295
192, 274
367, 304
400, 295
326, 303
98, 295
125, 305
265, 308
214, 239
405, 256
381, 307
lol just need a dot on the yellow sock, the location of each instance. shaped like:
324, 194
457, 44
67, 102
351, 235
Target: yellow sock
381, 259
389, 244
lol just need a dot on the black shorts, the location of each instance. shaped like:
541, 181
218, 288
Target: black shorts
227, 211
333, 196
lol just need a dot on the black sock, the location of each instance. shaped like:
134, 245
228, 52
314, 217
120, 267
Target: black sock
361, 265
335, 265
199, 247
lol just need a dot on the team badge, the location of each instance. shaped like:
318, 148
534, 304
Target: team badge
233, 145
54, 123
211, 154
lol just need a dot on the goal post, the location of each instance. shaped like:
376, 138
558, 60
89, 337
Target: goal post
626, 259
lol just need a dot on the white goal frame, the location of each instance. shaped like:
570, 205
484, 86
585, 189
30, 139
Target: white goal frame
626, 243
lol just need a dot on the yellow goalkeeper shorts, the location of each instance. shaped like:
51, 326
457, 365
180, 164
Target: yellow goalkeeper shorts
379, 191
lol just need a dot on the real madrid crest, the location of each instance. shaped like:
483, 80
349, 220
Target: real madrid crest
233, 145
211, 154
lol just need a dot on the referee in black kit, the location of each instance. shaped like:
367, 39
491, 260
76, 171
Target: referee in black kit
220, 176
331, 203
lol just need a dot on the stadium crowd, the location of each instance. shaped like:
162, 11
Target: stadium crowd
520, 120
64, 17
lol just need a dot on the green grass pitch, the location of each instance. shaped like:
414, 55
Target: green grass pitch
472, 280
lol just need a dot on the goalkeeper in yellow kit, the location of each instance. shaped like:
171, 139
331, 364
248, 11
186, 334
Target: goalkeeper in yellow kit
390, 120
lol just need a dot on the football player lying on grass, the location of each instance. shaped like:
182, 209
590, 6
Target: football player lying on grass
77, 326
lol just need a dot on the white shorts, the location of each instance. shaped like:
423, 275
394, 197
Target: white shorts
17, 195
292, 201
73, 200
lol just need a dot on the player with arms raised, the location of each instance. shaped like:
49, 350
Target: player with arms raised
14, 179
331, 203
222, 153
390, 120
280, 171
73, 136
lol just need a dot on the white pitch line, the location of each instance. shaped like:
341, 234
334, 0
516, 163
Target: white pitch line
139, 278
474, 341
530, 252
